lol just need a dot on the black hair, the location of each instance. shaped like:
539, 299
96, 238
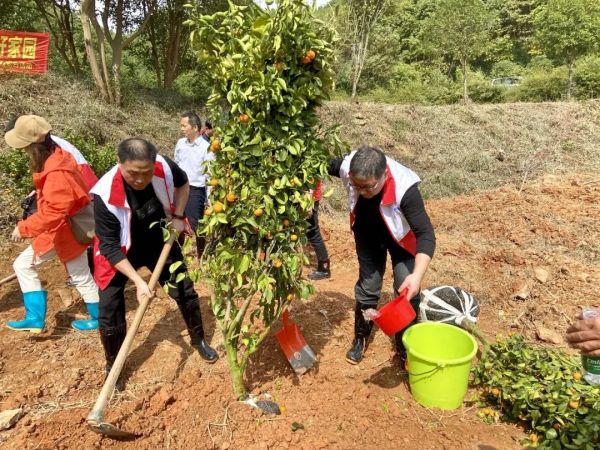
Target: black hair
136, 149
208, 125
368, 163
193, 119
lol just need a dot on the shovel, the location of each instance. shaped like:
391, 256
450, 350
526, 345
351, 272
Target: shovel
294, 346
8, 278
95, 419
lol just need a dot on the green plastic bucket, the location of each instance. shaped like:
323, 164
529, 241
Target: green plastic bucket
439, 362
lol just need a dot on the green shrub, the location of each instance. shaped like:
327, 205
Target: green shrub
14, 166
542, 389
481, 89
506, 68
540, 63
100, 158
541, 86
193, 84
587, 78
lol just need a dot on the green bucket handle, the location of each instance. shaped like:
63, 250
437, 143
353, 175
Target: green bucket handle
437, 367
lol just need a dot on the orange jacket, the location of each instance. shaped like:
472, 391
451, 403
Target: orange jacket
61, 192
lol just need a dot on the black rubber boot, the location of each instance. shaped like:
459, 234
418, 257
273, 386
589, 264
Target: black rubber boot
193, 320
323, 271
362, 331
112, 339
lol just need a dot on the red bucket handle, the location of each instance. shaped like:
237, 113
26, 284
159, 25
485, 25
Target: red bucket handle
402, 294
286, 319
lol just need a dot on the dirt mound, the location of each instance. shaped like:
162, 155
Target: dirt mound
488, 243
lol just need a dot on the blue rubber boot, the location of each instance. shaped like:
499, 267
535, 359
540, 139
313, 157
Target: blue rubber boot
35, 313
91, 324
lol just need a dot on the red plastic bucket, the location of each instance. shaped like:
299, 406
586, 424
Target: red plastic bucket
396, 315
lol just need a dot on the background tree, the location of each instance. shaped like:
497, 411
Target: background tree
566, 30
459, 30
362, 15
60, 18
121, 24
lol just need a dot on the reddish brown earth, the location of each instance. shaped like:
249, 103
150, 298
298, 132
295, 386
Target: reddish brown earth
488, 243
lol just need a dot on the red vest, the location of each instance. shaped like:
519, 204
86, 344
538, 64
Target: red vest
111, 189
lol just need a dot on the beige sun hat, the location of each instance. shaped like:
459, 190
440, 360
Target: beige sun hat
28, 130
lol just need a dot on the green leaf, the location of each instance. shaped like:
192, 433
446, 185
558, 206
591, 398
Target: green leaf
176, 265
277, 42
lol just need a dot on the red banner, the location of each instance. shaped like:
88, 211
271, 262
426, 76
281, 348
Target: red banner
22, 51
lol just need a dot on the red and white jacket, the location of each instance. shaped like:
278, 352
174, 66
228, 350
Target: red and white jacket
84, 167
398, 179
111, 189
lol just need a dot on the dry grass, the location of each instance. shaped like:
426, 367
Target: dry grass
455, 149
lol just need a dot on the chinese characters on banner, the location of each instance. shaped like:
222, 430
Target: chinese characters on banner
21, 51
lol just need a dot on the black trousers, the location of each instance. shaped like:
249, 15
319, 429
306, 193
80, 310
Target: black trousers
372, 250
313, 233
194, 210
112, 298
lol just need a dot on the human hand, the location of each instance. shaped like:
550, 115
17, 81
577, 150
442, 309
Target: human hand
142, 291
178, 225
16, 235
413, 285
584, 335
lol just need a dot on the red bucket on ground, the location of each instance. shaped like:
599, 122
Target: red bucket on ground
396, 315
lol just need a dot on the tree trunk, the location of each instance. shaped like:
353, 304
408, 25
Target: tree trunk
570, 79
86, 5
359, 61
237, 371
465, 80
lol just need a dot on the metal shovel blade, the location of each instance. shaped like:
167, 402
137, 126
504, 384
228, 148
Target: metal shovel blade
294, 346
110, 430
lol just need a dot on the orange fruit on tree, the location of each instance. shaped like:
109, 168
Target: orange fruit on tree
533, 437
573, 404
258, 212
213, 182
306, 60
218, 207
278, 66
269, 236
215, 145
277, 263
291, 297
577, 376
556, 426
231, 197
208, 212
244, 118
311, 54
495, 392
293, 237
262, 256
286, 222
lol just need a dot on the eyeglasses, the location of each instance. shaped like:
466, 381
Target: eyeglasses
368, 188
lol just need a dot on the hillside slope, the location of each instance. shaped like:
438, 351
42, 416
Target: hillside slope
455, 148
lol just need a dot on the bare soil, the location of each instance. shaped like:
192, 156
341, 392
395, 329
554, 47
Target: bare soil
489, 243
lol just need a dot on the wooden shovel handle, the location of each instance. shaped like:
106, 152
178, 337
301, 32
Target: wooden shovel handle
97, 412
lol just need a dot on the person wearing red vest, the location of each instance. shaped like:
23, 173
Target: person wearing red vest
61, 192
387, 215
142, 189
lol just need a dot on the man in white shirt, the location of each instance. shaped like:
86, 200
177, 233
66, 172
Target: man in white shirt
192, 154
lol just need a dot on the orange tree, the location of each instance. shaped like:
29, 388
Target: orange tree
270, 70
